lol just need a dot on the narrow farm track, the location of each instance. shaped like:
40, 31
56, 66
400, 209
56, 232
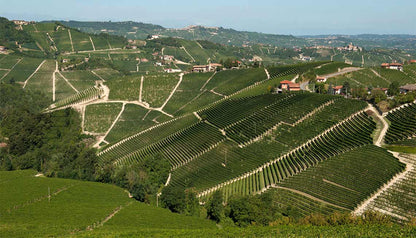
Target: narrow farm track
101, 138
54, 81
141, 88
206, 82
18, 61
98, 76
309, 196
171, 93
107, 218
92, 43
193, 59
378, 75
36, 70
67, 81
70, 39
267, 73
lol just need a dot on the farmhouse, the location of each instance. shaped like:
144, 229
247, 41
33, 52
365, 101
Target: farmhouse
2, 48
206, 68
167, 57
396, 66
144, 60
412, 61
289, 86
65, 61
337, 89
20, 22
408, 88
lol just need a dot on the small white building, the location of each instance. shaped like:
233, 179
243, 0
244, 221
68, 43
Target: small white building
395, 66
173, 70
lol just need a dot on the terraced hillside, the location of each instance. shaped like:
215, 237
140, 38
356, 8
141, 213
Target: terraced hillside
403, 124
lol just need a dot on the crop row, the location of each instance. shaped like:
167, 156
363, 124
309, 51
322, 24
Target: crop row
351, 133
82, 96
403, 124
179, 148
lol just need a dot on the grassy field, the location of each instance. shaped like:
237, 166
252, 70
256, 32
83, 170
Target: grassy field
42, 80
99, 117
62, 90
81, 79
23, 69
130, 122
188, 90
125, 88
156, 88
74, 208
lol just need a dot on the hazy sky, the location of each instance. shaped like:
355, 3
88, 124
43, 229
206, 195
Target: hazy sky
298, 17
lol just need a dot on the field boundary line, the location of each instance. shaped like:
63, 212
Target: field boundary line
67, 81
11, 69
70, 39
111, 127
36, 70
92, 43
171, 93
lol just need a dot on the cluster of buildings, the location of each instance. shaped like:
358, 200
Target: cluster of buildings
350, 48
290, 86
206, 68
395, 66
22, 22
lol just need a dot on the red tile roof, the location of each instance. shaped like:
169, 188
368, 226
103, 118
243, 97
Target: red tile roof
337, 87
286, 82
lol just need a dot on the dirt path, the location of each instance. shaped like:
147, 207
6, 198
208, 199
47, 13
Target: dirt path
199, 44
106, 219
183, 47
70, 39
396, 179
343, 71
141, 89
267, 73
383, 131
40, 47
308, 196
171, 93
109, 45
18, 61
67, 81
92, 43
36, 70
54, 45
378, 75
216, 93
101, 138
54, 81
163, 49
98, 76
209, 79
294, 79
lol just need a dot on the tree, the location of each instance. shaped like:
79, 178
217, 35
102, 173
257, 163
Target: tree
394, 89
215, 209
346, 88
173, 198
191, 201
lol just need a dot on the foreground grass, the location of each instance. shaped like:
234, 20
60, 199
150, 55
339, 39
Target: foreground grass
279, 231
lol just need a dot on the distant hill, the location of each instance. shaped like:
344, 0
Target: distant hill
138, 30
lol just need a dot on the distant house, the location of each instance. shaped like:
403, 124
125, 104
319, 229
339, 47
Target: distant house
3, 145
285, 84
320, 79
412, 61
144, 60
173, 70
337, 89
152, 37
155, 53
293, 87
20, 22
2, 48
206, 68
65, 61
408, 88
395, 66
159, 64
167, 57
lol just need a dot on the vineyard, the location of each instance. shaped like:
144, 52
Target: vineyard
352, 133
403, 124
399, 200
80, 97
